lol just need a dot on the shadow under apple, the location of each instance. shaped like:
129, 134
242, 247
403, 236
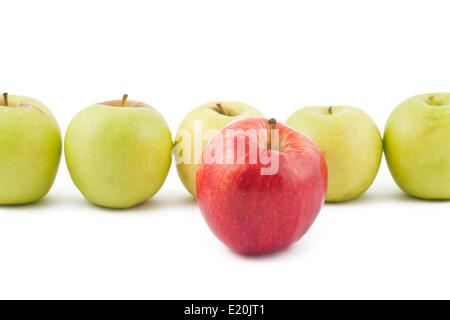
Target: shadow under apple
153, 204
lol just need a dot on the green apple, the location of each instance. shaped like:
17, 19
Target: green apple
417, 145
118, 152
30, 149
351, 143
197, 128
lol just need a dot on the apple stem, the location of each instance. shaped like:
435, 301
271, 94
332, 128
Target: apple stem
272, 125
221, 109
124, 99
432, 101
330, 110
5, 98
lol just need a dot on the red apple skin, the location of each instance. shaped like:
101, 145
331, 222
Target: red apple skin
258, 214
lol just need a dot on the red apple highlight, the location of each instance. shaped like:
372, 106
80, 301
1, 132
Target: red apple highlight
253, 205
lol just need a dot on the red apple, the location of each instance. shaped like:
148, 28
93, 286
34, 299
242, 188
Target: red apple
249, 207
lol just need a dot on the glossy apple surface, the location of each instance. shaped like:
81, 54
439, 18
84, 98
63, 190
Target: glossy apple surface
30, 150
254, 213
118, 156
208, 117
417, 145
351, 143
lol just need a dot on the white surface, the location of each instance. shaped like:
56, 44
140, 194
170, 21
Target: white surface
175, 55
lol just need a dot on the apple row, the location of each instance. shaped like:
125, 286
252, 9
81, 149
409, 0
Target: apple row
119, 153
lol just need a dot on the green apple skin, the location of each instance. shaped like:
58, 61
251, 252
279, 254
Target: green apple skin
417, 145
118, 156
30, 150
351, 143
211, 118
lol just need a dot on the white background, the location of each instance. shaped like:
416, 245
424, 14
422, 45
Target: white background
275, 55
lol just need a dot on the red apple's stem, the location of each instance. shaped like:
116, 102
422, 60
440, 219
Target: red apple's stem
221, 109
432, 101
330, 110
272, 125
5, 98
124, 99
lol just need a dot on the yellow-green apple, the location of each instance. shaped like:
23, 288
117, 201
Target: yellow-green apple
351, 143
417, 145
260, 185
118, 152
30, 149
197, 128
